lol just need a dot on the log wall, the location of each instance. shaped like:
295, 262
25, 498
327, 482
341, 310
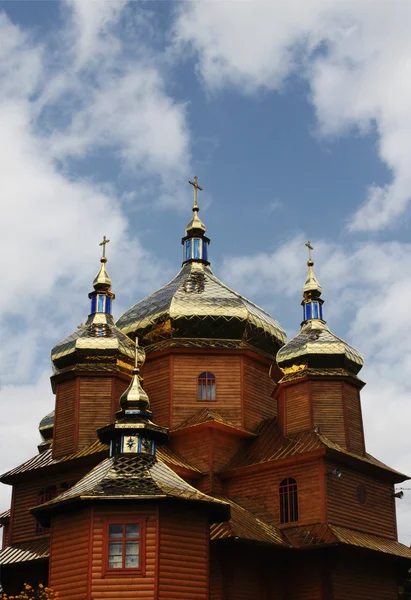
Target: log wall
257, 389
183, 553
328, 410
157, 378
259, 491
64, 441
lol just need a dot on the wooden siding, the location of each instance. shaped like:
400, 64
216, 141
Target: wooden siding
120, 386
131, 587
95, 407
223, 447
259, 492
65, 418
183, 547
304, 579
227, 371
23, 524
363, 578
376, 516
257, 390
157, 385
355, 429
69, 560
216, 575
195, 446
328, 410
297, 408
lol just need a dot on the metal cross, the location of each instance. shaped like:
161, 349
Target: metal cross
308, 244
196, 188
103, 243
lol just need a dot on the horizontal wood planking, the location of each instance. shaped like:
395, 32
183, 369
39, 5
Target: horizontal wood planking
195, 446
355, 428
259, 492
184, 541
363, 578
258, 388
69, 555
64, 429
297, 408
95, 407
216, 576
113, 587
376, 516
328, 410
120, 386
157, 385
5, 539
304, 579
227, 371
23, 525
224, 446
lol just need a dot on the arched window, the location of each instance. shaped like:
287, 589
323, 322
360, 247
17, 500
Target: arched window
206, 386
288, 501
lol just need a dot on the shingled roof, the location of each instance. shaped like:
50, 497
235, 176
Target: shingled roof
136, 477
207, 415
321, 534
270, 445
46, 459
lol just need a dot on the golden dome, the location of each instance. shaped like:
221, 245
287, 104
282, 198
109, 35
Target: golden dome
196, 309
315, 346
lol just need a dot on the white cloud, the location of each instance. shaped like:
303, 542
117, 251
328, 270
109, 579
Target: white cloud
356, 57
51, 221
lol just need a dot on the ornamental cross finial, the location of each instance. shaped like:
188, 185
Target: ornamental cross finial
196, 188
103, 243
308, 244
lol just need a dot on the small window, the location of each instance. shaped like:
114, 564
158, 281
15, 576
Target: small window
206, 386
44, 495
288, 501
124, 549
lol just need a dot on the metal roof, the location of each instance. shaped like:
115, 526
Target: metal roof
134, 477
4, 516
45, 459
244, 525
207, 415
25, 552
324, 533
196, 304
270, 445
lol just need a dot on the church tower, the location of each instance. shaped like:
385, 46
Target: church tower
235, 470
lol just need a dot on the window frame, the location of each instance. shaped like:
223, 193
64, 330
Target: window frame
124, 571
288, 501
204, 381
45, 494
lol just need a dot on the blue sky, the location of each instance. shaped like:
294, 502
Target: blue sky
294, 117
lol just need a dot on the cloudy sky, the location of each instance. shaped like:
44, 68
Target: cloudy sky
296, 118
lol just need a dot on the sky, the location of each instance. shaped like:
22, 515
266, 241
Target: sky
295, 116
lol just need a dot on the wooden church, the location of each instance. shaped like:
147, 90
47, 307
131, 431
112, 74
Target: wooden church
235, 470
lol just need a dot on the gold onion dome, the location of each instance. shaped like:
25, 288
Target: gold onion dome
196, 309
315, 346
98, 344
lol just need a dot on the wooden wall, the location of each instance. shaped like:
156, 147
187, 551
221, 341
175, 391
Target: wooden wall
259, 491
257, 390
376, 516
183, 553
304, 578
157, 377
84, 404
330, 404
131, 587
64, 439
362, 577
22, 522
69, 563
227, 371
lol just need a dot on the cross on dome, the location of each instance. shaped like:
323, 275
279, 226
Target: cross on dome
103, 243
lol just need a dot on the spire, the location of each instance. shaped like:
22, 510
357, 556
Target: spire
134, 400
195, 242
312, 302
102, 296
133, 432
